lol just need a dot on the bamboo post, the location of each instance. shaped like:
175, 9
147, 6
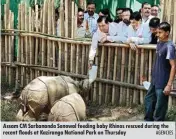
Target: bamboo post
162, 9
135, 77
141, 74
108, 75
122, 75
60, 56
19, 46
43, 31
83, 59
101, 74
114, 76
9, 48
150, 65
66, 34
62, 21
36, 39
54, 33
77, 58
75, 20
22, 46
49, 32
6, 38
26, 43
66, 18
30, 42
128, 78
95, 84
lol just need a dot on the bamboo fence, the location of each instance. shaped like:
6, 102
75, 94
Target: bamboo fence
42, 53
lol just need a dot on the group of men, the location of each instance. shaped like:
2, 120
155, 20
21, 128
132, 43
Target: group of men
129, 27
134, 28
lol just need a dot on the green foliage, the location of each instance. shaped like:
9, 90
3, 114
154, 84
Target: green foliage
171, 115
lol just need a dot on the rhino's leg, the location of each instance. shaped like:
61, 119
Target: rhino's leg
19, 116
29, 116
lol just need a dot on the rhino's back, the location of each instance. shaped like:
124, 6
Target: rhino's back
68, 108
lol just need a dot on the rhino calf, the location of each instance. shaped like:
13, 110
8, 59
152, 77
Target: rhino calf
41, 94
69, 108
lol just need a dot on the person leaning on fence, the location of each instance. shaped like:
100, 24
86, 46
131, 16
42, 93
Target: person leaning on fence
107, 32
137, 32
153, 24
163, 73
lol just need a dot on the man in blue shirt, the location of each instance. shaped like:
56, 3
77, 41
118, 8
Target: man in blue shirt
91, 17
163, 73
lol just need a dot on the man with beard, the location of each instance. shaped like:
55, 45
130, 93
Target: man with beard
124, 25
118, 15
107, 32
91, 17
146, 13
81, 25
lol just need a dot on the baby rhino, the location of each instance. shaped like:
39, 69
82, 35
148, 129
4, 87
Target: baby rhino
69, 108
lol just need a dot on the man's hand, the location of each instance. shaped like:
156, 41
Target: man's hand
90, 64
103, 39
133, 46
167, 90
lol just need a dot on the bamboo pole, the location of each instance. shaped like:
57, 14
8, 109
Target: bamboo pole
83, 59
30, 42
62, 25
36, 39
19, 46
66, 18
108, 75
135, 77
6, 38
122, 75
73, 19
9, 49
49, 47
77, 58
128, 78
114, 76
101, 74
26, 42
54, 33
95, 96
22, 46
141, 74
150, 65
43, 31
60, 56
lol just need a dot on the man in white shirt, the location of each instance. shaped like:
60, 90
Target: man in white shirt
124, 25
155, 11
107, 32
146, 12
137, 32
91, 17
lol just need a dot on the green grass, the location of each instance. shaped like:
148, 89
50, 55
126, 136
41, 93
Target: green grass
9, 110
